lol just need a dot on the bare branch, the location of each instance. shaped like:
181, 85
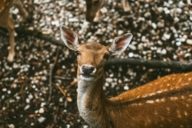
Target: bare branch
150, 63
38, 34
51, 74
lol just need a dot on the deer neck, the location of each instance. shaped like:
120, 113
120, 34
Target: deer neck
91, 103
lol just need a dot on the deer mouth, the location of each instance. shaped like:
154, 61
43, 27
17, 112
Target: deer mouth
86, 77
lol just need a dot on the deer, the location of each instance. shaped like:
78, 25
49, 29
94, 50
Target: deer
6, 21
93, 8
165, 102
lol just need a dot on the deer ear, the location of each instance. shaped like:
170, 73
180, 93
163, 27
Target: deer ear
69, 38
120, 44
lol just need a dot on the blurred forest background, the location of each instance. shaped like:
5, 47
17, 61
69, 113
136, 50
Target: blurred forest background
38, 88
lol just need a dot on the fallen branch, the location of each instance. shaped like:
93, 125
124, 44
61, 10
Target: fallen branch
63, 78
50, 81
38, 34
140, 62
150, 63
21, 31
61, 90
51, 74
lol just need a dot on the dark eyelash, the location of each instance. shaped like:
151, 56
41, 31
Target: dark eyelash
78, 53
106, 56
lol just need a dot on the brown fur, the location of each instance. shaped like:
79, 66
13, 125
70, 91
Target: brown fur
93, 8
162, 103
165, 102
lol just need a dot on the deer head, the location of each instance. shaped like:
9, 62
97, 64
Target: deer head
91, 55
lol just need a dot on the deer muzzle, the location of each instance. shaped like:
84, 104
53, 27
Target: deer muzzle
87, 72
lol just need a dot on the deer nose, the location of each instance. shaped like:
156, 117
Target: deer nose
88, 69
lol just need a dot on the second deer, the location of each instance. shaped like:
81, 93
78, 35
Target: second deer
93, 8
6, 21
162, 103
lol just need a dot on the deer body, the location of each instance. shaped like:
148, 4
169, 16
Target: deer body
93, 8
6, 21
162, 103
165, 102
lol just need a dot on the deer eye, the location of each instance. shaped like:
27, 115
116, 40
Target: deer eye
78, 53
106, 56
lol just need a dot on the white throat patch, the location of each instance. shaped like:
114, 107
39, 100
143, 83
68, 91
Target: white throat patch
86, 78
